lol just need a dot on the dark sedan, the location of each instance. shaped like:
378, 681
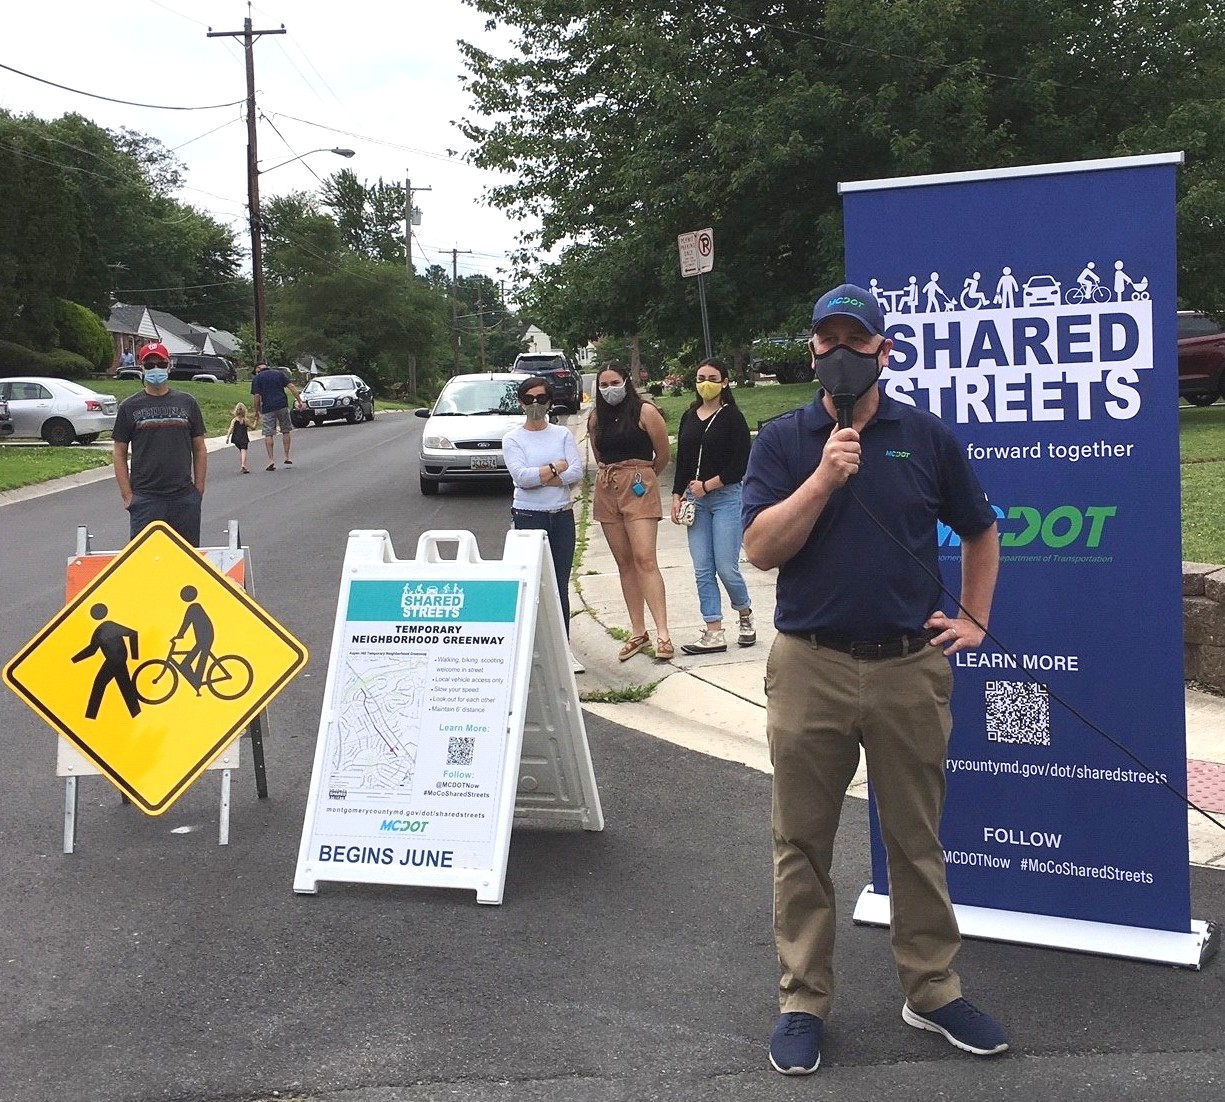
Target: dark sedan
334, 398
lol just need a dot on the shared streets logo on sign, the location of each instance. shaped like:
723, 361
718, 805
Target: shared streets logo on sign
155, 667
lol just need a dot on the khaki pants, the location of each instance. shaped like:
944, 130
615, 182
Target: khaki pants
821, 704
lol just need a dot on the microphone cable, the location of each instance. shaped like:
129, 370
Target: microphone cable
1020, 666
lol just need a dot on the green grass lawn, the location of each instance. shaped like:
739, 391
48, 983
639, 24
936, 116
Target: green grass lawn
27, 464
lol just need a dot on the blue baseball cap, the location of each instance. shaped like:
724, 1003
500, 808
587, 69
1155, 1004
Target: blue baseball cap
849, 301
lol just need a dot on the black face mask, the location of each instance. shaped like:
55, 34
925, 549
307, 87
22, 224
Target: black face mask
847, 375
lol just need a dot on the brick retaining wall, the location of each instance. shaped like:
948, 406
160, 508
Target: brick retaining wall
1203, 620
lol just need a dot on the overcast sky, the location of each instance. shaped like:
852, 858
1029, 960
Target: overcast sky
383, 73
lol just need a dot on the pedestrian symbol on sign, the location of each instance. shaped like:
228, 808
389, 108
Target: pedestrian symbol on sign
112, 640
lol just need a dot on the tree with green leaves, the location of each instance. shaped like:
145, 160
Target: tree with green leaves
363, 315
89, 217
623, 126
370, 216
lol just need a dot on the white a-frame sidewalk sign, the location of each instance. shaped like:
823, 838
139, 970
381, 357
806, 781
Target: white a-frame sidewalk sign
449, 707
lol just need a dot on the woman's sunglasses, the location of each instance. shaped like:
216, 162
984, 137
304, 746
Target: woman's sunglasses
535, 399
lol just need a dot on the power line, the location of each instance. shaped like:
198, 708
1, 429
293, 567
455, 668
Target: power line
174, 11
125, 102
375, 141
297, 156
228, 122
305, 57
301, 74
185, 287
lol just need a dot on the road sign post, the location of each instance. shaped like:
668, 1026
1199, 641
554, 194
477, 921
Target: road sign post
697, 251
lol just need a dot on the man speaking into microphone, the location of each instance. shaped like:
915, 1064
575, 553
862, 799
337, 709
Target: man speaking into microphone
861, 658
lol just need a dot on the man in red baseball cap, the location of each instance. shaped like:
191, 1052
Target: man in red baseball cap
164, 429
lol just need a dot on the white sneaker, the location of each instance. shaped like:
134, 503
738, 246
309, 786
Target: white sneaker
710, 642
575, 665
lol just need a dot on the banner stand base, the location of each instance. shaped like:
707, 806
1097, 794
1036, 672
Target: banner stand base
1104, 939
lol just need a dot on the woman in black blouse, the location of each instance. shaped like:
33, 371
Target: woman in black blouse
629, 439
712, 451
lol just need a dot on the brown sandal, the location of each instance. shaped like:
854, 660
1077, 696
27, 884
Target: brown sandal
664, 650
632, 646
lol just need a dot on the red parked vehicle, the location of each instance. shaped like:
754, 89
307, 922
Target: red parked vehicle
1201, 358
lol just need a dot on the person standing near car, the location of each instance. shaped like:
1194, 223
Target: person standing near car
712, 451
544, 463
164, 431
268, 385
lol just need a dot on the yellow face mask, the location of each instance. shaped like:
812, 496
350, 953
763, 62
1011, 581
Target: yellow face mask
708, 390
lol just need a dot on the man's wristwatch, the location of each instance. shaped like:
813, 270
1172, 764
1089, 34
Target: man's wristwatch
553, 470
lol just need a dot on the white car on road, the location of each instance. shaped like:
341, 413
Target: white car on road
462, 438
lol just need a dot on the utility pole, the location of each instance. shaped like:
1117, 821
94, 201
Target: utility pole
412, 217
455, 303
248, 37
480, 321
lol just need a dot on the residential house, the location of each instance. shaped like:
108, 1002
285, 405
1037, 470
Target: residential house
132, 326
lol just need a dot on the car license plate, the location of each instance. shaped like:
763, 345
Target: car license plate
484, 463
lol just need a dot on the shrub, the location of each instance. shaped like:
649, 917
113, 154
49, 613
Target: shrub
64, 363
17, 359
81, 331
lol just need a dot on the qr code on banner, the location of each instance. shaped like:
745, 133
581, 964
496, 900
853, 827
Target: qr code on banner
459, 750
1019, 712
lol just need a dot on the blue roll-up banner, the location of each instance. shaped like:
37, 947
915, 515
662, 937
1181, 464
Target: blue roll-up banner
1034, 310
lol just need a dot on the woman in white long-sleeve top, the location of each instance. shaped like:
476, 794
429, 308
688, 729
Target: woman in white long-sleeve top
544, 463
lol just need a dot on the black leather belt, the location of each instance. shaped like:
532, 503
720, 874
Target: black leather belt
867, 651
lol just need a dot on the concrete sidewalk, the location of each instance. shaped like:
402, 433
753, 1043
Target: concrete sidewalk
716, 703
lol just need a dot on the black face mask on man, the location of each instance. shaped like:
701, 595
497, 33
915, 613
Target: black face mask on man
846, 376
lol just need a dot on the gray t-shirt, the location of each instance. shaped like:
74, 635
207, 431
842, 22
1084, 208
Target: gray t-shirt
159, 429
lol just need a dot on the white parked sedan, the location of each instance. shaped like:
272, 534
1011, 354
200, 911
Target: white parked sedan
58, 411
462, 440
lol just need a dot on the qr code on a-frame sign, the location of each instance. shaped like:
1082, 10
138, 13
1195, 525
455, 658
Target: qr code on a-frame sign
1018, 712
459, 749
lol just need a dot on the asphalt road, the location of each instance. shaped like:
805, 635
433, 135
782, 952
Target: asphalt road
633, 964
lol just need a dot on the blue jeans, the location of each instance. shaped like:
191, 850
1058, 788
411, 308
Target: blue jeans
559, 527
182, 513
714, 546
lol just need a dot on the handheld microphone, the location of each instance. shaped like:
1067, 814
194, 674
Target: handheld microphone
844, 405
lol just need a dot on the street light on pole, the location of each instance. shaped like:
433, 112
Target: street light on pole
339, 153
257, 232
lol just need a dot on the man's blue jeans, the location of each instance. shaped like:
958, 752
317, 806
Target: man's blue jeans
182, 513
714, 545
559, 527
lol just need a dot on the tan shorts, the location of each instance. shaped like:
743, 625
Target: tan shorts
615, 500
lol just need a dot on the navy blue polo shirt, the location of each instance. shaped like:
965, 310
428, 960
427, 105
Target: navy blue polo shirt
850, 581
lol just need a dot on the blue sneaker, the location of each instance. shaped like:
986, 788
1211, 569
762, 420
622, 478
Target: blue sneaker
962, 1024
795, 1044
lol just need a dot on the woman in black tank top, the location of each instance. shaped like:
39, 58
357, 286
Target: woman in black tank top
629, 439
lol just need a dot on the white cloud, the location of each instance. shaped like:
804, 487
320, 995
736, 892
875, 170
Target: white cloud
385, 69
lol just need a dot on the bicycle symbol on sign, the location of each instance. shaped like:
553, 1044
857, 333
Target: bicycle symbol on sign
226, 676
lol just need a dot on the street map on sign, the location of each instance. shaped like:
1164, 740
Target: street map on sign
378, 724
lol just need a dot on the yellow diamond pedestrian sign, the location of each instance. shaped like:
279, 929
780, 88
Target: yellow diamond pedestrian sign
155, 667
